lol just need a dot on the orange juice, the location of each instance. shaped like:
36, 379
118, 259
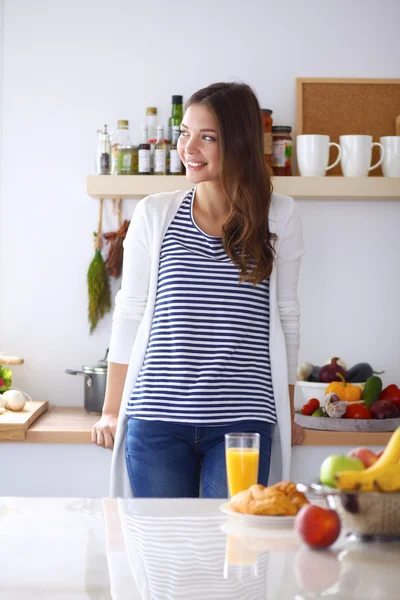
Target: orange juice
241, 468
237, 552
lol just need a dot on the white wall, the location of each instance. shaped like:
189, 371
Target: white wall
70, 66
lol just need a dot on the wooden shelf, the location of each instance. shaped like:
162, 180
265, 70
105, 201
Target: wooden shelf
317, 188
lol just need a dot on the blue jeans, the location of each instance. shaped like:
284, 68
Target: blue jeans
171, 460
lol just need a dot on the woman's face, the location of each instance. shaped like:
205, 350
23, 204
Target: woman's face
198, 144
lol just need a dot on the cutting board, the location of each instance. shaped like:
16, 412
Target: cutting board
13, 425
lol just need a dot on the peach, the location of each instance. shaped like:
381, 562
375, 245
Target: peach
365, 455
318, 527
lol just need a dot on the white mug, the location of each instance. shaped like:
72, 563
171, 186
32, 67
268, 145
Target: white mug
357, 154
313, 154
391, 161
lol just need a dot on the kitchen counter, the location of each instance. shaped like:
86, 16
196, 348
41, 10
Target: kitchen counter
73, 425
62, 437
175, 549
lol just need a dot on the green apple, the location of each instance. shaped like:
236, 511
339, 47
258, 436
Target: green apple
336, 463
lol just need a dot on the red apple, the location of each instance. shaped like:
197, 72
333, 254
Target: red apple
318, 527
316, 571
379, 453
365, 455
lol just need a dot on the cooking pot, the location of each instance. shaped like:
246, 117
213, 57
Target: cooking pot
95, 385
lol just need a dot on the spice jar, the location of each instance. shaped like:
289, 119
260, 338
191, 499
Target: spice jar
103, 153
281, 150
128, 159
267, 119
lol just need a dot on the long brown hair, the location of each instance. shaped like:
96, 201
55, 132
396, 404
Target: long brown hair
244, 177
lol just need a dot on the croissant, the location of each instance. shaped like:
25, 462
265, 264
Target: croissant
289, 488
281, 499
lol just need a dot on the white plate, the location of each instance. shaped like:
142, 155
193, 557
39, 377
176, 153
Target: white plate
261, 520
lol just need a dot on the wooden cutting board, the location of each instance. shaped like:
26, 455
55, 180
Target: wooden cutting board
13, 425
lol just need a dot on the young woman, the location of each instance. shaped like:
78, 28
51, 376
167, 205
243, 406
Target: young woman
205, 330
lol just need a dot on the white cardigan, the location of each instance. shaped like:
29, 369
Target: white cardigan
134, 309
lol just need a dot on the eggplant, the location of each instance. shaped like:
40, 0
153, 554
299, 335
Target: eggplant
315, 375
360, 373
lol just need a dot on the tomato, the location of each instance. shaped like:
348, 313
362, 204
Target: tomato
309, 408
357, 411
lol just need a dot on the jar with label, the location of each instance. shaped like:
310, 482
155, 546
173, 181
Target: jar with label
281, 150
175, 165
119, 138
160, 153
144, 152
267, 119
128, 157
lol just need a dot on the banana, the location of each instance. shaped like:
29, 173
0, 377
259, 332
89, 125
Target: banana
386, 479
391, 454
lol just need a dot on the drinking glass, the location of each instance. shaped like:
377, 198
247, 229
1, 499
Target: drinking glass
242, 452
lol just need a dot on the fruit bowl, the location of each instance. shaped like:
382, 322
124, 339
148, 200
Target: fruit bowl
368, 515
311, 389
343, 424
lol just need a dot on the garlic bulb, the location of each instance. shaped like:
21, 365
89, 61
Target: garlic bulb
334, 406
14, 399
2, 401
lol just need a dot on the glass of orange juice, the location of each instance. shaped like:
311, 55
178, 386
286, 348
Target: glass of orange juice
242, 452
240, 560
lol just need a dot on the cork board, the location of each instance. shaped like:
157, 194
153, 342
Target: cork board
337, 107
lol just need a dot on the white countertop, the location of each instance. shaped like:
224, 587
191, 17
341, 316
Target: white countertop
92, 549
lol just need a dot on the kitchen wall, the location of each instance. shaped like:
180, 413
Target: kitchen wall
72, 65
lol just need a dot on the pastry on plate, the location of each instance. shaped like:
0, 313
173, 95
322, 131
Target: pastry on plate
278, 500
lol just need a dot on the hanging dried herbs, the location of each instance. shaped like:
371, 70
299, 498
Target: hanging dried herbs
98, 282
114, 258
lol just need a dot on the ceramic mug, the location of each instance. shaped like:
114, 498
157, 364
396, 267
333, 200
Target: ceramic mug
313, 154
391, 160
357, 154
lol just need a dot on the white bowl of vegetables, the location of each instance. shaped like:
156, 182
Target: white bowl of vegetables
310, 385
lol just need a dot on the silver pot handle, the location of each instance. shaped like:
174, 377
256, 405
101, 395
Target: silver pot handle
89, 380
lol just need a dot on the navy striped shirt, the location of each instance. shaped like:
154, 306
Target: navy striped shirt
207, 360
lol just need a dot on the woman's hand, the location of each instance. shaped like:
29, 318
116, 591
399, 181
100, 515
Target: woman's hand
297, 434
103, 432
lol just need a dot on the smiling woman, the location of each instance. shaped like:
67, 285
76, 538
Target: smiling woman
206, 326
198, 144
221, 145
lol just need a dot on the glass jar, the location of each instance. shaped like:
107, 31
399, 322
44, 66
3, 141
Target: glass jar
103, 152
128, 159
281, 150
119, 138
267, 119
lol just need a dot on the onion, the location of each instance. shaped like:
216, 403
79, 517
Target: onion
14, 399
329, 373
